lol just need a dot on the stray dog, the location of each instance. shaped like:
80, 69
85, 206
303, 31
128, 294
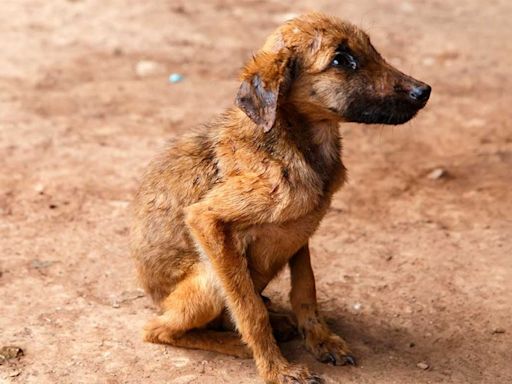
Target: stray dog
223, 210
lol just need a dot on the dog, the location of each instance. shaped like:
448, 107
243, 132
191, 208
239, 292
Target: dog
222, 210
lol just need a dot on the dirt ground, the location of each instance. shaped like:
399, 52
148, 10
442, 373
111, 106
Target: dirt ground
410, 268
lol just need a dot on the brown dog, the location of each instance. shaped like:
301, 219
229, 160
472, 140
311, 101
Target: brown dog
223, 210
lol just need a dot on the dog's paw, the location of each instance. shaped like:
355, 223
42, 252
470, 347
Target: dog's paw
157, 331
295, 374
330, 349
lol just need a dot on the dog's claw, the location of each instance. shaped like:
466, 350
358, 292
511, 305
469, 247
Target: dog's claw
299, 375
313, 380
350, 360
328, 358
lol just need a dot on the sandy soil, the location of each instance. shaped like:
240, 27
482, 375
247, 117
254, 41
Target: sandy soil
410, 269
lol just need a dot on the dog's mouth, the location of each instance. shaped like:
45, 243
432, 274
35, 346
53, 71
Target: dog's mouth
386, 110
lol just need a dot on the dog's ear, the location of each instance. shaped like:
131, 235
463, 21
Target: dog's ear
264, 79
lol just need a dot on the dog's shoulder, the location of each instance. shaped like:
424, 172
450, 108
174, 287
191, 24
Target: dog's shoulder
301, 167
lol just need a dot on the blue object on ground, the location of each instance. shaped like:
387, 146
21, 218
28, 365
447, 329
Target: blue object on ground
175, 78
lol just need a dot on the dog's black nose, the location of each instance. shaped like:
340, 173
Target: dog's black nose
420, 93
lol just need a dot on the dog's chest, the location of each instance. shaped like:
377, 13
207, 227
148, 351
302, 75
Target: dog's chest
310, 175
270, 246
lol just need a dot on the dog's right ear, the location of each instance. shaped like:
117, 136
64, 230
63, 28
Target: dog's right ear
264, 79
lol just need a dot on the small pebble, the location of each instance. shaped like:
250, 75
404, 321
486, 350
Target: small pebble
175, 78
15, 373
428, 61
423, 365
39, 188
10, 352
407, 7
180, 362
117, 51
146, 68
437, 174
41, 264
357, 306
498, 330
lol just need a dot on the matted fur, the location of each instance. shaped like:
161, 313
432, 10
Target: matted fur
221, 211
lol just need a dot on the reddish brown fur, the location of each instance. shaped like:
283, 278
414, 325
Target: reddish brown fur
223, 210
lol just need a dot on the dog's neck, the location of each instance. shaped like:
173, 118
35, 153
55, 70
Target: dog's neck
319, 136
294, 141
318, 142
326, 136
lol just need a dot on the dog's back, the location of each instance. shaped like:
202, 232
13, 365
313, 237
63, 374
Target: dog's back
180, 176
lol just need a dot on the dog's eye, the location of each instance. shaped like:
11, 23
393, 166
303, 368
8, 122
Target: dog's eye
344, 60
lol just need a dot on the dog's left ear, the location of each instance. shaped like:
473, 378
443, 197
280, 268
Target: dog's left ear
264, 79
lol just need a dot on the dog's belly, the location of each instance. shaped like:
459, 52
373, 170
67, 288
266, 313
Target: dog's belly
270, 246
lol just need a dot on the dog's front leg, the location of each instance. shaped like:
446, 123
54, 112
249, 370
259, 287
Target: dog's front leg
211, 223
325, 345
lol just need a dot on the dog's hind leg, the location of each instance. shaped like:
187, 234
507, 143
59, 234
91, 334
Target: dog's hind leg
193, 304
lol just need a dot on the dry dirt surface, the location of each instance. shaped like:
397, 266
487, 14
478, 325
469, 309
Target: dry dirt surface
413, 261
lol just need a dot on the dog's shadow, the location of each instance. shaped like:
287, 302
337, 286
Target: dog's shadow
389, 353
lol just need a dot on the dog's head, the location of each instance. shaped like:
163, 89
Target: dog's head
326, 69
